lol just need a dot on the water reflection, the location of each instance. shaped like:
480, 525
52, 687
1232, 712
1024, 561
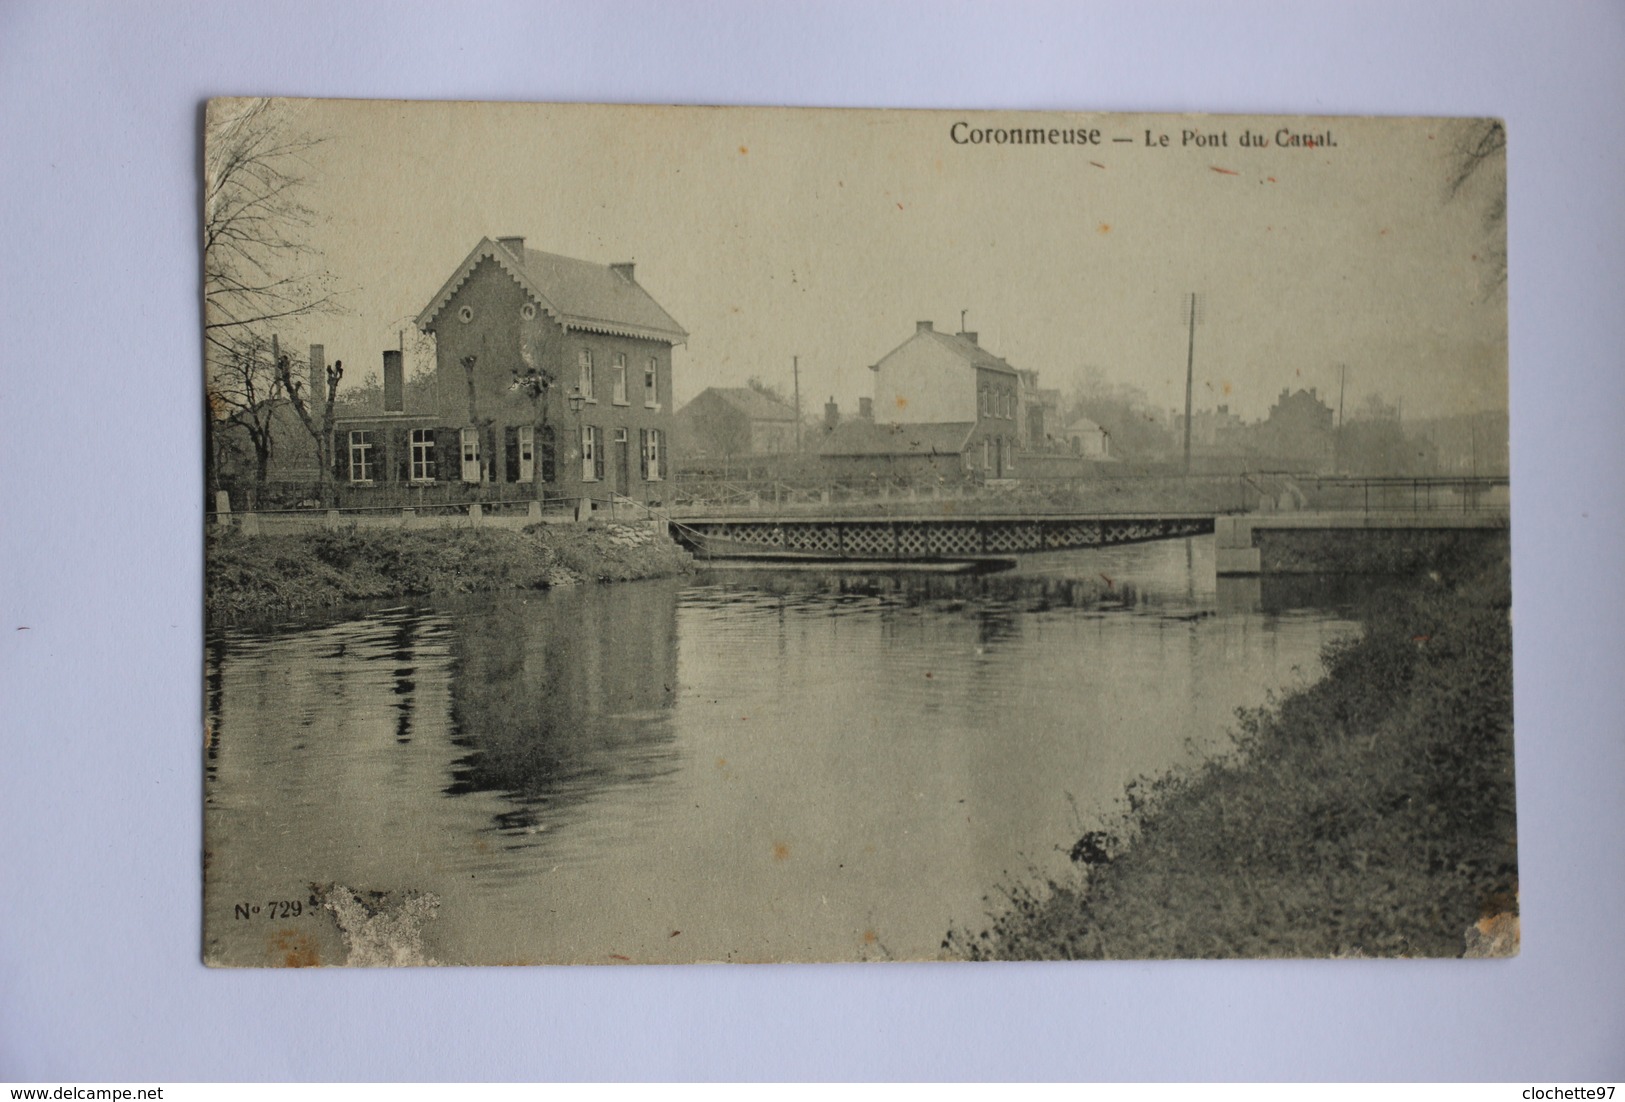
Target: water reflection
552, 705
744, 766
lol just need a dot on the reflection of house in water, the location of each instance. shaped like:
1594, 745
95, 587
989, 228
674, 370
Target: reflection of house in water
564, 695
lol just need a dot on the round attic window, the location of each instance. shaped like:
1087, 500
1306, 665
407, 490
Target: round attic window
528, 311
466, 314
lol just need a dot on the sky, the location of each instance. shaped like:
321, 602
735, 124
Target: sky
825, 235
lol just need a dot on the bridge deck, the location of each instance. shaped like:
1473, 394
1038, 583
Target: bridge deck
924, 539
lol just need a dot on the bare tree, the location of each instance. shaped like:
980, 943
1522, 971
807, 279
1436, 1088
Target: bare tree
1478, 168
245, 392
259, 265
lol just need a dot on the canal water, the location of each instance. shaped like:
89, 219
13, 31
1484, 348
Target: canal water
731, 766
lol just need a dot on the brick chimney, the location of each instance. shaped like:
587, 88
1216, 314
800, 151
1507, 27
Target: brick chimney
866, 408
923, 327
515, 245
832, 413
624, 271
968, 334
317, 375
394, 382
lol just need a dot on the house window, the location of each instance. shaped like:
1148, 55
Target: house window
527, 453
981, 395
618, 380
423, 455
651, 384
550, 471
592, 455
471, 455
527, 311
585, 380
361, 458
651, 455
465, 314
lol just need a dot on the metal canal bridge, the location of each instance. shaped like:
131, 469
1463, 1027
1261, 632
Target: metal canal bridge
1362, 511
922, 538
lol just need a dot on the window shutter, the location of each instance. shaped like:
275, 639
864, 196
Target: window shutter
660, 445
510, 446
490, 456
401, 443
448, 454
549, 456
643, 454
341, 456
598, 455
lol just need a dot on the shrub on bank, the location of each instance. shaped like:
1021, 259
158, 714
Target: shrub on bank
1369, 814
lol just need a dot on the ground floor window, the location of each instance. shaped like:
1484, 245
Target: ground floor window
654, 455
527, 453
471, 454
422, 455
592, 454
362, 463
550, 472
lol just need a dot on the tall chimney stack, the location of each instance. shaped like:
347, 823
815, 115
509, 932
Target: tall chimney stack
394, 382
866, 408
922, 327
624, 271
318, 375
515, 245
832, 413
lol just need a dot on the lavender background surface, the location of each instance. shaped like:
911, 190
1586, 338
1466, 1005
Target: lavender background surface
100, 630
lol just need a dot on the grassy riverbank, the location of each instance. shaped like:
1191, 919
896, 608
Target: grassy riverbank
254, 576
1369, 814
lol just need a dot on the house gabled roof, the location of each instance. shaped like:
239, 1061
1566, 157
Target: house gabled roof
1081, 425
969, 351
928, 438
579, 294
752, 403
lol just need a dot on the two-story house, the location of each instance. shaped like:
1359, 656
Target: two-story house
552, 377
949, 378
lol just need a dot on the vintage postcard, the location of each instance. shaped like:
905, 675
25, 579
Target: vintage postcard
676, 534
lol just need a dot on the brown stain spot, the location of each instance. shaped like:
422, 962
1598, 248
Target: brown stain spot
902, 402
298, 950
870, 937
781, 851
928, 675
617, 956
674, 933
481, 845
1382, 233
1271, 179
1097, 164
722, 763
899, 206
1225, 387
742, 151
1104, 227
1224, 171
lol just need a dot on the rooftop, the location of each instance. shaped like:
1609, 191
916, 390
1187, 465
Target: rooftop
581, 294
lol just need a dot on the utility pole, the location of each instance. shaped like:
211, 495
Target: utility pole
1337, 457
795, 370
1193, 306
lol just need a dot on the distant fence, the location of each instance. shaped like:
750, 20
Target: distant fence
493, 513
